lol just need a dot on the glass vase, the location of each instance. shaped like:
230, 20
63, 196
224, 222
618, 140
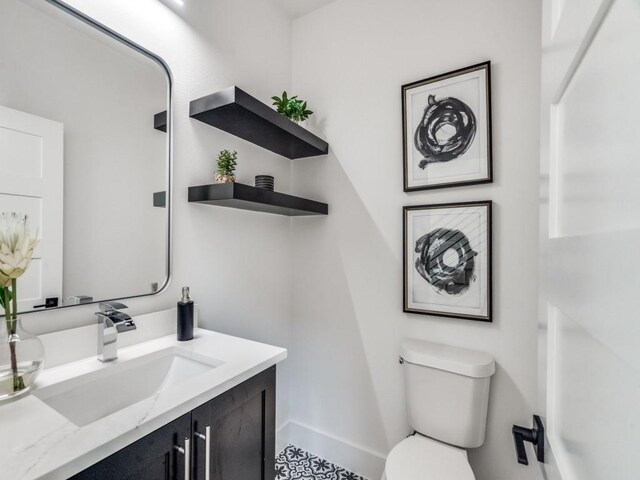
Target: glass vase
21, 359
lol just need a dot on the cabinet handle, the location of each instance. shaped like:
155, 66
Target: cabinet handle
186, 451
207, 445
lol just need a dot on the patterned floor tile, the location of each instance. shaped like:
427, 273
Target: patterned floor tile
293, 463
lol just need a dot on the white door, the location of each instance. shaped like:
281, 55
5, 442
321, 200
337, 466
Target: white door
31, 182
590, 235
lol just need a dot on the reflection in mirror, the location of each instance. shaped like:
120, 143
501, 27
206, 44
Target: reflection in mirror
80, 156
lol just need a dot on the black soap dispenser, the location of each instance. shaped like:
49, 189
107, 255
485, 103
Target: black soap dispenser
185, 317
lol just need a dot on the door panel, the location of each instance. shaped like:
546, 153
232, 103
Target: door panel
22, 153
242, 421
596, 391
237, 441
597, 130
32, 151
151, 458
590, 229
566, 25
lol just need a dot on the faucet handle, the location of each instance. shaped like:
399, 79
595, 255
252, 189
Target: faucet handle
109, 307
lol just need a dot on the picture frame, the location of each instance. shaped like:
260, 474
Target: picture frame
447, 260
446, 129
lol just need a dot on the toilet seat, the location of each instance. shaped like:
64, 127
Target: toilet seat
420, 458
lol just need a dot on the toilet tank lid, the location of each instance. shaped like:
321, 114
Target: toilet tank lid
451, 359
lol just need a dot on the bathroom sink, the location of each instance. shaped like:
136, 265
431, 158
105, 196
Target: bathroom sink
87, 398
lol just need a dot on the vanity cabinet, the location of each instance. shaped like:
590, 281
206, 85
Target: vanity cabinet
231, 437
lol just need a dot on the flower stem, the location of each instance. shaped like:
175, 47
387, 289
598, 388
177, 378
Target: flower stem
12, 320
7, 310
14, 289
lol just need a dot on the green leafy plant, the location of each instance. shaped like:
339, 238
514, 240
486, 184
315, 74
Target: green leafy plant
291, 107
227, 162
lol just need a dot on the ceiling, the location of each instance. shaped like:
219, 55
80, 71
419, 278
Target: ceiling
298, 8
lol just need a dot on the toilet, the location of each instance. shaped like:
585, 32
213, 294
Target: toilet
447, 397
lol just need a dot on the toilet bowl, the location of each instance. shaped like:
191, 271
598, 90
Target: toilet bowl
421, 458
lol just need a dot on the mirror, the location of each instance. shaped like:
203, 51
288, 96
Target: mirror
80, 156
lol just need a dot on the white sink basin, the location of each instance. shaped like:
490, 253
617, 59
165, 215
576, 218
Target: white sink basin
90, 397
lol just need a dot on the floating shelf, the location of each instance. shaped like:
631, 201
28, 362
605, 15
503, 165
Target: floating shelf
244, 116
160, 121
246, 197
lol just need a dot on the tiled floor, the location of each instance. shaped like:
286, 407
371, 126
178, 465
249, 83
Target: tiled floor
293, 463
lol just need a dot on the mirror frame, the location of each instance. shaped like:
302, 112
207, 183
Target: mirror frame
169, 142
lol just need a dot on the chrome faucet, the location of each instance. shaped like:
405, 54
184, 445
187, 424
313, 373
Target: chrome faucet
110, 323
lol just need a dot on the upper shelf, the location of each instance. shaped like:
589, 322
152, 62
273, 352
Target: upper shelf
244, 116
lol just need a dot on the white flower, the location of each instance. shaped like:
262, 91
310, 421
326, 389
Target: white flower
16, 246
4, 281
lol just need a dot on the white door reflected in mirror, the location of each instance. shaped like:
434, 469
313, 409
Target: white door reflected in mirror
31, 183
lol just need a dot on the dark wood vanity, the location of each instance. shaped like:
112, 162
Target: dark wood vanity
231, 437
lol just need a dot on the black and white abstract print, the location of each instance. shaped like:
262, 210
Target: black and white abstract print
447, 129
293, 463
446, 260
447, 255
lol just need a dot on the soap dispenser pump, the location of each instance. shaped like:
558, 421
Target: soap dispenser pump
185, 317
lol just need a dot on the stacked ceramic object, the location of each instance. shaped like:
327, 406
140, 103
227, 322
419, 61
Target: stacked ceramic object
265, 181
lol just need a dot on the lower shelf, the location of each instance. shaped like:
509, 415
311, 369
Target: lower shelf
246, 197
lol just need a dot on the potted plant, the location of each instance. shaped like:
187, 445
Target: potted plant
226, 166
292, 107
21, 354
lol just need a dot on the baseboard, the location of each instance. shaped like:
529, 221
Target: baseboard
356, 459
283, 437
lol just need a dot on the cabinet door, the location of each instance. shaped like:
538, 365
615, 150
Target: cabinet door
241, 432
150, 458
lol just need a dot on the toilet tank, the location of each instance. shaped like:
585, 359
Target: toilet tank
447, 391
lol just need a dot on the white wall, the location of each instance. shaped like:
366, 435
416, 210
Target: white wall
349, 60
237, 263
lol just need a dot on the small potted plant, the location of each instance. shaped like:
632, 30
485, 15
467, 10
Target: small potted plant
226, 166
292, 108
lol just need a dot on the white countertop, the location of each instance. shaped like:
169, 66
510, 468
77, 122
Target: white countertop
38, 442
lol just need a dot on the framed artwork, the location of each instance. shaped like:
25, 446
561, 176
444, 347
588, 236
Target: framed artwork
446, 127
447, 260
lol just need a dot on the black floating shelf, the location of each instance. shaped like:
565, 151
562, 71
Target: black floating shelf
244, 116
160, 121
246, 197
